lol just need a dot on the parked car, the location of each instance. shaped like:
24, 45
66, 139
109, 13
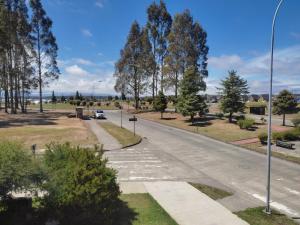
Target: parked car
99, 114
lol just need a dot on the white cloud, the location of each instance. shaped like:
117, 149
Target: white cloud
86, 32
257, 69
75, 70
99, 4
83, 61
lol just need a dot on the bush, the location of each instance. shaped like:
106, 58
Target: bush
83, 103
296, 122
263, 137
246, 123
98, 103
277, 136
78, 102
81, 189
15, 168
290, 135
107, 103
117, 105
220, 115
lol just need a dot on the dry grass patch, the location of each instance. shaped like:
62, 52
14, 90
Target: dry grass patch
215, 128
123, 136
41, 129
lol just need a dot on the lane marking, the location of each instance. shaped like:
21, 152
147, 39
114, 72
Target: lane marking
277, 205
136, 161
292, 191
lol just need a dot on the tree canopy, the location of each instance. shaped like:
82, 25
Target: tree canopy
190, 102
232, 89
284, 103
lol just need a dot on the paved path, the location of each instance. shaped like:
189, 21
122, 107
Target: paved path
172, 154
188, 206
245, 141
108, 141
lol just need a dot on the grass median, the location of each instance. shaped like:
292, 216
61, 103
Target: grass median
124, 137
212, 192
147, 210
256, 216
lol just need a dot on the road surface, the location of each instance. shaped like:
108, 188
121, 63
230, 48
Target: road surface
168, 153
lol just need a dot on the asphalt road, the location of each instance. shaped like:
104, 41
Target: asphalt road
168, 153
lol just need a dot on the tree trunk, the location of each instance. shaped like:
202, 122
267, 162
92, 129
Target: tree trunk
40, 71
162, 75
230, 118
283, 120
161, 115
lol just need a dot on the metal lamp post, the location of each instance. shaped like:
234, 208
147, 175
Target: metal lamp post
268, 208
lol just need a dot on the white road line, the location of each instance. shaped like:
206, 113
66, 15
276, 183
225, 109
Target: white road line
292, 191
277, 205
136, 161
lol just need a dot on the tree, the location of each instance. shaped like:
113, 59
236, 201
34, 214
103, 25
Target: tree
284, 103
63, 98
53, 98
159, 24
187, 47
189, 102
233, 88
160, 103
131, 70
45, 46
77, 96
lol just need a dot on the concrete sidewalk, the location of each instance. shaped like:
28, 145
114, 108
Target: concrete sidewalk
188, 206
108, 141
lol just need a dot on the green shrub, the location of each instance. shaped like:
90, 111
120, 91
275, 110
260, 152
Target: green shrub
117, 104
81, 188
277, 136
296, 122
15, 168
98, 103
220, 115
78, 102
246, 123
263, 137
83, 103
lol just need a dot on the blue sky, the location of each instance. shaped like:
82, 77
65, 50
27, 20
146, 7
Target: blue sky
90, 34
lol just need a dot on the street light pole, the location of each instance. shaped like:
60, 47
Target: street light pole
268, 208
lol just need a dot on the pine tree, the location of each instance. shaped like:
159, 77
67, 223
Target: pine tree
284, 103
190, 102
46, 47
160, 103
53, 98
233, 88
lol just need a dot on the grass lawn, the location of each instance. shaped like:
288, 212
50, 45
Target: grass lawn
212, 192
41, 129
215, 128
256, 216
147, 209
124, 136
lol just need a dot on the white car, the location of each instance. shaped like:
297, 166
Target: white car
99, 114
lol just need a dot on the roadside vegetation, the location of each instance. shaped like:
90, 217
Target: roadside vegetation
212, 192
148, 211
69, 185
256, 216
123, 136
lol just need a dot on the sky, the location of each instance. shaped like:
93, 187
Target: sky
90, 34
